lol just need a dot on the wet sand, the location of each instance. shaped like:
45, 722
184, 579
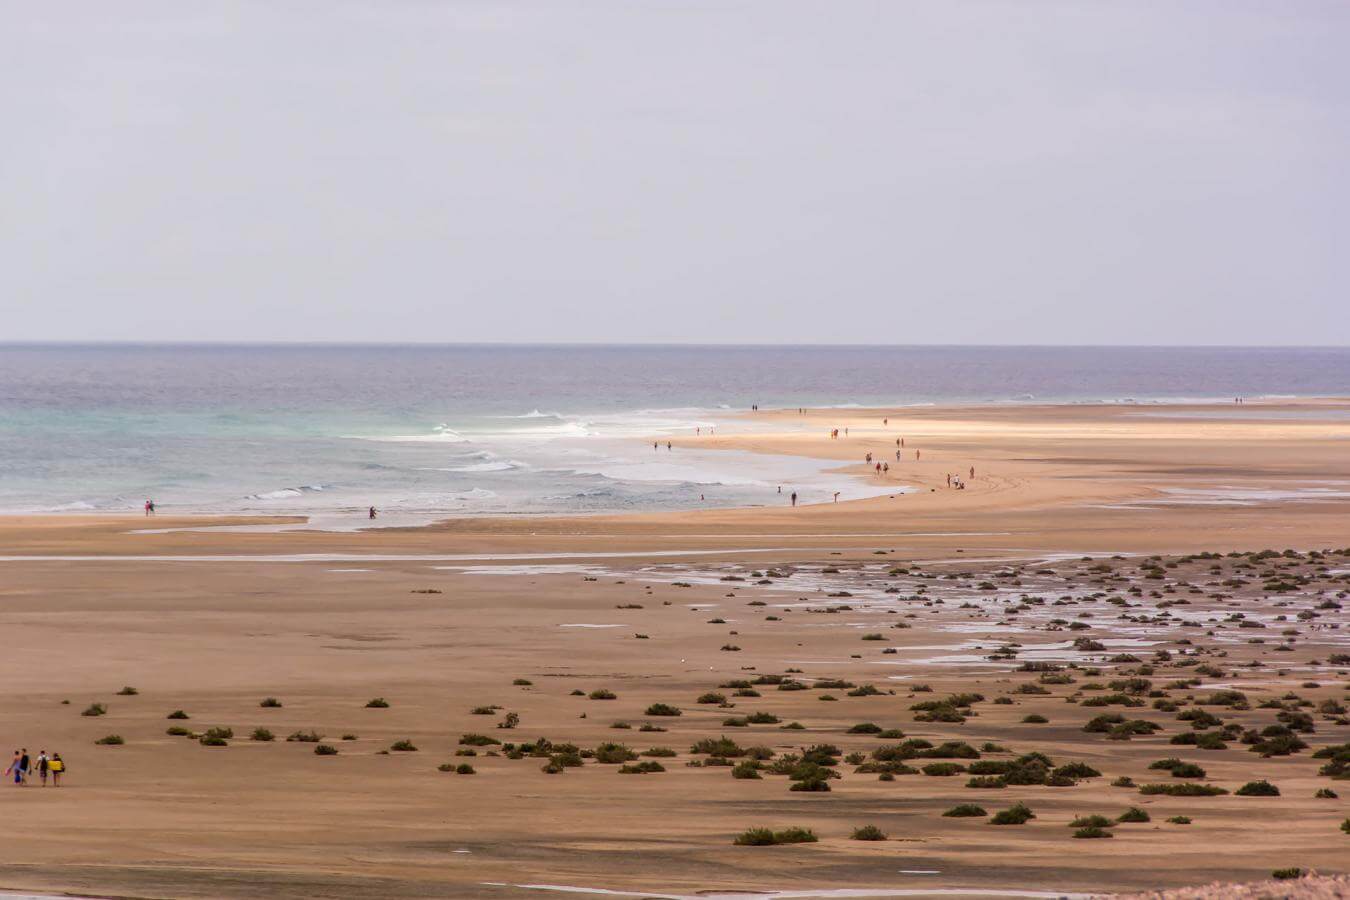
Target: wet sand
444, 619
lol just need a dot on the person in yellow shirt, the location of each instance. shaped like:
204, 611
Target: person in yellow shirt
57, 767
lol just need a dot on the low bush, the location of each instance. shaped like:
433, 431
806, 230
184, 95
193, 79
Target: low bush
868, 833
965, 811
1258, 789
1017, 814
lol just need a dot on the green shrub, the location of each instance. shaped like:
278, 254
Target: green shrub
477, 740
1093, 831
646, 767
377, 703
764, 837
1180, 820
262, 734
403, 746
868, 833
177, 714
965, 811
1184, 789
1258, 789
270, 703
325, 750
602, 694
1286, 874
128, 691
612, 754
95, 709
1034, 719
178, 731
212, 740
1017, 814
1133, 814
305, 737
1091, 822
112, 740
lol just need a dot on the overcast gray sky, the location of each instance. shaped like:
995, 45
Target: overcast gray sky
884, 172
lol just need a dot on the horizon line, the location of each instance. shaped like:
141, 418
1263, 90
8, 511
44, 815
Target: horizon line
337, 344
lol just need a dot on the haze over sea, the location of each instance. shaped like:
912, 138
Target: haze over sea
424, 430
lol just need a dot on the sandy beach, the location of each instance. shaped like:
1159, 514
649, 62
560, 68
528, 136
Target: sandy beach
1070, 558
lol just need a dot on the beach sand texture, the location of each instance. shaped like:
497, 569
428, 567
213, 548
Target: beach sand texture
445, 619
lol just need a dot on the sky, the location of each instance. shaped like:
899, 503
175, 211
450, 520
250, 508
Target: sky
742, 171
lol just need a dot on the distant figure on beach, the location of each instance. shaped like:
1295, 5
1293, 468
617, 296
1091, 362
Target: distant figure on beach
656, 445
897, 456
916, 455
14, 769
794, 498
886, 468
149, 507
972, 472
949, 479
878, 467
902, 442
372, 512
780, 489
869, 457
667, 446
885, 421
57, 766
836, 496
43, 766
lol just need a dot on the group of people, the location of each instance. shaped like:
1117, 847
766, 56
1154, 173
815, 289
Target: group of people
149, 507
44, 767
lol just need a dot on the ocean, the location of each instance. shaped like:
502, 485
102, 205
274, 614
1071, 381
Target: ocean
422, 431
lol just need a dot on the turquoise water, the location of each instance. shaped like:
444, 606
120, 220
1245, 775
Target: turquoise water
425, 430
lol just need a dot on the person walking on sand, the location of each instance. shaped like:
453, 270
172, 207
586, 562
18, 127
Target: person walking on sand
24, 763
886, 468
916, 455
667, 446
14, 768
43, 766
972, 472
57, 767
371, 513
794, 498
836, 496
949, 479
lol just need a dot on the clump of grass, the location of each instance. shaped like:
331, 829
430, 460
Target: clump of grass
270, 703
304, 737
1325, 794
1286, 874
177, 731
1180, 820
1124, 781
663, 709
868, 833
746, 769
1134, 814
712, 697
465, 769
262, 734
325, 750
1091, 822
614, 753
765, 837
403, 746
111, 740
646, 767
477, 740
212, 740
602, 694
95, 709
377, 703
1093, 831
1017, 814
943, 769
1261, 788
965, 811
128, 691
1185, 789
219, 732
177, 714
1034, 719
522, 682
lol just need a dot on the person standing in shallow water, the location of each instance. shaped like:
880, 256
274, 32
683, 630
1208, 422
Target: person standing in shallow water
372, 513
